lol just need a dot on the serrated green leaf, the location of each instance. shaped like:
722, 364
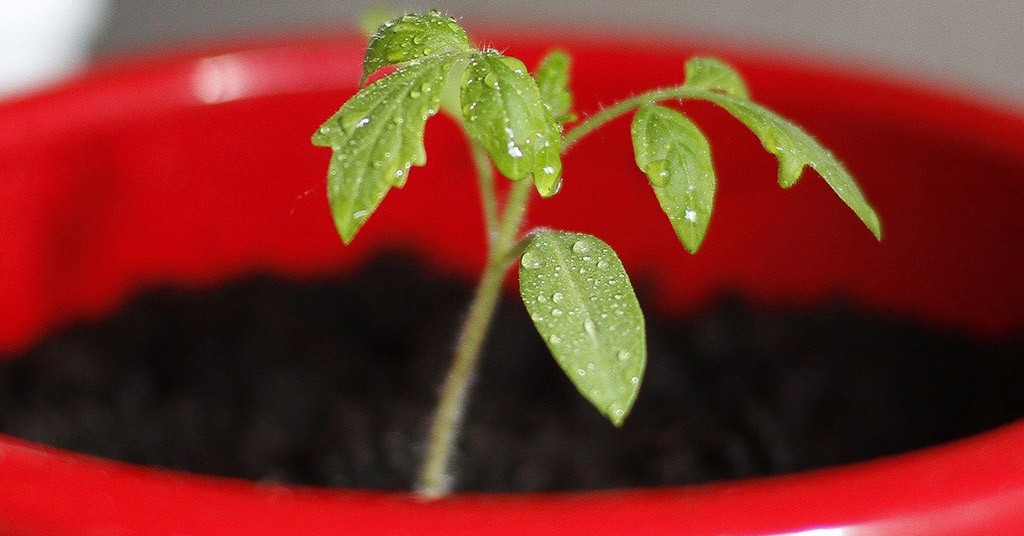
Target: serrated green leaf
553, 81
676, 157
411, 37
377, 136
582, 303
795, 149
712, 74
502, 108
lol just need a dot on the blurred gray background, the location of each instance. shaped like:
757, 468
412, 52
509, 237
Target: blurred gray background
973, 46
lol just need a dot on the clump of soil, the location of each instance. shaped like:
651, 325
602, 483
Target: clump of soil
331, 383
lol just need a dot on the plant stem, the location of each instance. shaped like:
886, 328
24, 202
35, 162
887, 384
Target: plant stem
598, 120
485, 177
433, 479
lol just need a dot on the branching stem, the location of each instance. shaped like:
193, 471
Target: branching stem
433, 480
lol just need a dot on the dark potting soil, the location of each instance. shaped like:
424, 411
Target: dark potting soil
331, 383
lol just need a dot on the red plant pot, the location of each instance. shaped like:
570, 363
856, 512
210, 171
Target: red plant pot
196, 167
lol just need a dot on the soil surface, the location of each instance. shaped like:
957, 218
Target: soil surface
330, 383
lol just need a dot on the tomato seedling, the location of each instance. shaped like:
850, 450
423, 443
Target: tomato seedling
573, 285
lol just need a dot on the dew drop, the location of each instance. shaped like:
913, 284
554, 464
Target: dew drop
657, 173
556, 312
554, 339
581, 372
624, 355
530, 261
557, 297
580, 246
635, 380
602, 264
542, 299
415, 94
590, 328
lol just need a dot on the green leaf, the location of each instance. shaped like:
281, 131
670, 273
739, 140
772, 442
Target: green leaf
411, 37
583, 305
795, 149
712, 74
676, 157
377, 136
553, 82
502, 108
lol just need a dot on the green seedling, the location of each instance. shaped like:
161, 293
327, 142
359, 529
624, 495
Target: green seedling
573, 285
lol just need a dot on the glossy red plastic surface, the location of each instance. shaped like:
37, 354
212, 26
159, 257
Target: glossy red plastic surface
196, 167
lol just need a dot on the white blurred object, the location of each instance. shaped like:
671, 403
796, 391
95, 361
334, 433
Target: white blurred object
43, 40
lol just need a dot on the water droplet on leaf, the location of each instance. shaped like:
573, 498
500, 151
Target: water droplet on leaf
657, 172
530, 261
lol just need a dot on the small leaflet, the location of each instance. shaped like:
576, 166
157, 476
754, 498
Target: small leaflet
676, 157
712, 74
412, 37
377, 136
503, 109
553, 81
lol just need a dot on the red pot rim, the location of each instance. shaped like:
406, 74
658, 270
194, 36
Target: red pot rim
972, 486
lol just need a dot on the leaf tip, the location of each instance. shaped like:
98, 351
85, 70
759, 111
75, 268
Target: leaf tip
874, 225
617, 413
691, 246
346, 231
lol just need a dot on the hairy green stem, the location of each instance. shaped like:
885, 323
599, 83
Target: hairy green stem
433, 479
485, 177
599, 119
